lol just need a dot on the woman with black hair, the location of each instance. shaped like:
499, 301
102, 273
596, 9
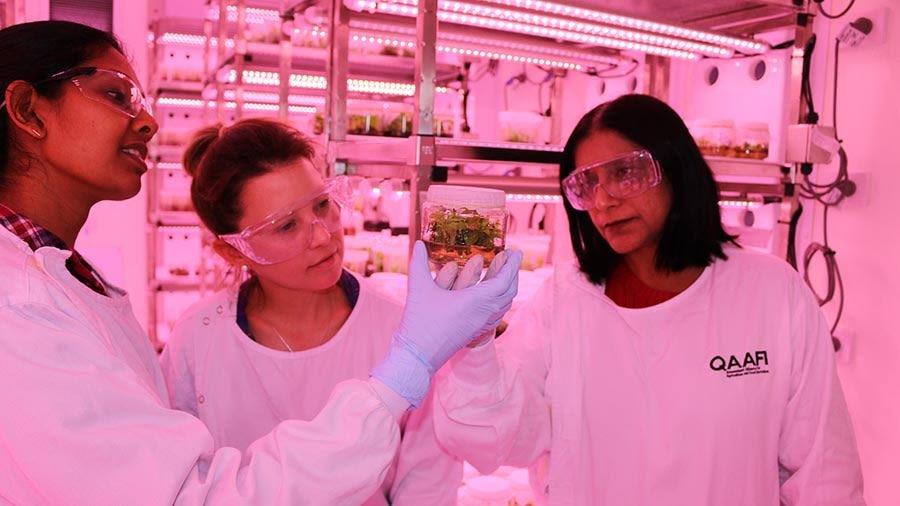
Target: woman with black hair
86, 415
668, 366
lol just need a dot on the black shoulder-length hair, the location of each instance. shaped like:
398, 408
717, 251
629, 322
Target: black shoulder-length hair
693, 234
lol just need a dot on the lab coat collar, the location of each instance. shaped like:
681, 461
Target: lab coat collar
52, 262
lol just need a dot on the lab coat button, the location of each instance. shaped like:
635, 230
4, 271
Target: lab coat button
220, 309
205, 320
201, 399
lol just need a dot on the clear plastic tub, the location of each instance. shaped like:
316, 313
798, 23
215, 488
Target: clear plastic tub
459, 222
365, 122
520, 126
752, 141
356, 260
715, 137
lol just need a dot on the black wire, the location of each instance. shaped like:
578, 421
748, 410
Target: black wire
840, 311
484, 72
806, 88
634, 66
835, 281
829, 195
792, 235
835, 16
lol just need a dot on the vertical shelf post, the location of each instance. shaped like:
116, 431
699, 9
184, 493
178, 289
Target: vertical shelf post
423, 120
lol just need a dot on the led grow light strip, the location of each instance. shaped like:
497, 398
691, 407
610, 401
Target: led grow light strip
319, 83
197, 40
196, 103
481, 42
634, 23
376, 39
554, 33
186, 39
259, 96
253, 15
740, 203
576, 26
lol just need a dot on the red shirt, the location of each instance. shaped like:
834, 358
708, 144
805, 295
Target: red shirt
625, 289
37, 236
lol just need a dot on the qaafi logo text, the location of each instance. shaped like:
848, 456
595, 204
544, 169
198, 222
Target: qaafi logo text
756, 362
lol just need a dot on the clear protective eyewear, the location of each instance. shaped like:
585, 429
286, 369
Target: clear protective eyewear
624, 177
108, 87
287, 233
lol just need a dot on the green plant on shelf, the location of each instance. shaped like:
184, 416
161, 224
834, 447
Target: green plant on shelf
457, 234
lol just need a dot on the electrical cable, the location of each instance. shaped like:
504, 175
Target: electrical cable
805, 88
792, 235
634, 66
829, 195
834, 16
833, 272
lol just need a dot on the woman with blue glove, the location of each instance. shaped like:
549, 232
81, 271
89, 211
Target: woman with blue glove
87, 418
667, 365
272, 347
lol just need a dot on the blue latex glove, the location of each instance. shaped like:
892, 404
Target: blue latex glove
437, 323
468, 276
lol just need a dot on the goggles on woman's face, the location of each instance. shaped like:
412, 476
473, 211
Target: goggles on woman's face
287, 233
624, 177
108, 87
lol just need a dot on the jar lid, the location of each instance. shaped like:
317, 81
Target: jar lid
715, 123
754, 125
489, 488
465, 196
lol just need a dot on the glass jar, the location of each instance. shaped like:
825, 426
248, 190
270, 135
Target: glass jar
367, 122
752, 141
459, 222
520, 126
399, 126
715, 137
318, 124
443, 125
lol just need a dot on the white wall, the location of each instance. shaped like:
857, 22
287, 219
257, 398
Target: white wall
866, 235
114, 237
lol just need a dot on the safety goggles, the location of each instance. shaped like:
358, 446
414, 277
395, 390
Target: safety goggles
624, 177
285, 234
108, 87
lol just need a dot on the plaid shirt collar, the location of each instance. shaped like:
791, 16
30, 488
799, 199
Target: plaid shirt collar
33, 234
37, 237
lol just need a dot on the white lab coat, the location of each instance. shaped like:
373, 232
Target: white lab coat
86, 416
634, 407
242, 389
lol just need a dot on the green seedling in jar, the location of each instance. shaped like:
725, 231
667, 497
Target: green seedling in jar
455, 235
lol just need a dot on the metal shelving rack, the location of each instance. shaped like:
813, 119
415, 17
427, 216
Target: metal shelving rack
420, 157
423, 158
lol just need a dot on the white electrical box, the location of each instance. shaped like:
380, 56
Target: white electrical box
811, 144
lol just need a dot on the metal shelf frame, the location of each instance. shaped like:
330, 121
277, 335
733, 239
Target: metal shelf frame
417, 157
422, 159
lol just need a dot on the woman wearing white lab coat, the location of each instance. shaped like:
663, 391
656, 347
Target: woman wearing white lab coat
273, 347
666, 366
86, 416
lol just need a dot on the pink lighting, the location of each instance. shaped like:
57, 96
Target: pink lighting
634, 23
315, 82
553, 33
468, 51
250, 106
578, 26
